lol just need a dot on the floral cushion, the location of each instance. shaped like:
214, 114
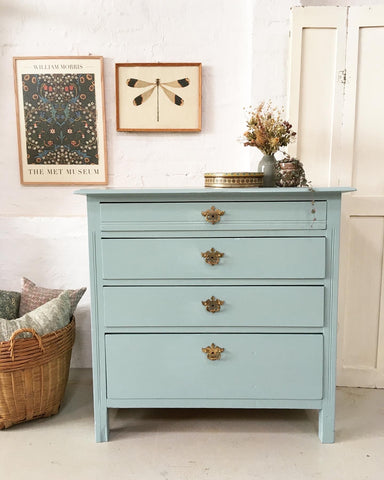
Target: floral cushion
47, 318
9, 304
33, 296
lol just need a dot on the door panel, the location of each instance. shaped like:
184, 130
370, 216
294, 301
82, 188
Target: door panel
316, 94
350, 156
368, 165
362, 306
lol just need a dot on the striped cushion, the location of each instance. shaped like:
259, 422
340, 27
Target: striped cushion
47, 318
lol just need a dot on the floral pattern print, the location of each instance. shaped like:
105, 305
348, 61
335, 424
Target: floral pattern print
60, 119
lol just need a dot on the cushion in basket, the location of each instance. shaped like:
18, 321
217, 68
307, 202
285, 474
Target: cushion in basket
9, 304
33, 296
47, 318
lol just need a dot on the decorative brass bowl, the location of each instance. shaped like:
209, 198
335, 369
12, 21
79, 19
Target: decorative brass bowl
234, 180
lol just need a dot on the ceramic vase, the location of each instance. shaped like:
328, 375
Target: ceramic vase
267, 165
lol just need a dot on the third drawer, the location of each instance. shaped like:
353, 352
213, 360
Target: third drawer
175, 306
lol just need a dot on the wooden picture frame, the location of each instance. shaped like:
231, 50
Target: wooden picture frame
61, 120
163, 97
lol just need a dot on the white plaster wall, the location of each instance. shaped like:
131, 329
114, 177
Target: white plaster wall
243, 47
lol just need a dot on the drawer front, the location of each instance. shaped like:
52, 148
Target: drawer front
277, 306
243, 258
236, 216
259, 366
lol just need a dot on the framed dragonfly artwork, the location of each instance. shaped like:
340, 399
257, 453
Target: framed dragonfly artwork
158, 97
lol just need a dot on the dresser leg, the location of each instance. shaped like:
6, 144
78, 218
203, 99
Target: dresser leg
101, 425
327, 425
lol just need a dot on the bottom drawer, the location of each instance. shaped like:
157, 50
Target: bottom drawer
257, 366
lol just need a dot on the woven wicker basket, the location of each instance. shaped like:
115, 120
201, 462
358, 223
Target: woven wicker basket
33, 374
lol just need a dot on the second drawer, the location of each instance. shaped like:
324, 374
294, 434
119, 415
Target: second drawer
174, 258
161, 306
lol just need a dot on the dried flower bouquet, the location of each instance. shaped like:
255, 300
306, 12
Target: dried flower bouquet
267, 130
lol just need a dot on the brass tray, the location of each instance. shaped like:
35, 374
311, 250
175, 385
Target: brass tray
234, 180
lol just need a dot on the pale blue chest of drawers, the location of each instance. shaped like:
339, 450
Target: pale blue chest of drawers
214, 298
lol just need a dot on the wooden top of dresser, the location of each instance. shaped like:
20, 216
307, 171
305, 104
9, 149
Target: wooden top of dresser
217, 193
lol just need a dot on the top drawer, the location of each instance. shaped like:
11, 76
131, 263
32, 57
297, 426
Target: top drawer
189, 216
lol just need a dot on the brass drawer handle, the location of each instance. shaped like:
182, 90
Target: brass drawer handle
213, 304
213, 215
212, 256
213, 352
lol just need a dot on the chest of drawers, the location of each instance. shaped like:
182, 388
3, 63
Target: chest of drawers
214, 298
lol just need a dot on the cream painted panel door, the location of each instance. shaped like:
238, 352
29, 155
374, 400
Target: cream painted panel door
337, 105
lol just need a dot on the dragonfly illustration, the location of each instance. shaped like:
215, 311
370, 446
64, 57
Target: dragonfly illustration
143, 97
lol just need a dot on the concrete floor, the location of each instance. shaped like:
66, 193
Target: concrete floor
197, 444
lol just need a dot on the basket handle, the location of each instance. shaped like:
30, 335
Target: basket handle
12, 340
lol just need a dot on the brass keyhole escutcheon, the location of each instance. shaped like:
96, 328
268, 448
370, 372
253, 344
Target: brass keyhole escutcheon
212, 256
213, 352
213, 215
213, 304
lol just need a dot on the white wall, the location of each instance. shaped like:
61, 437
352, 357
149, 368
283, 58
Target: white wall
243, 47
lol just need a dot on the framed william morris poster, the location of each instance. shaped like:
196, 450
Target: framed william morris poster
164, 97
60, 119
